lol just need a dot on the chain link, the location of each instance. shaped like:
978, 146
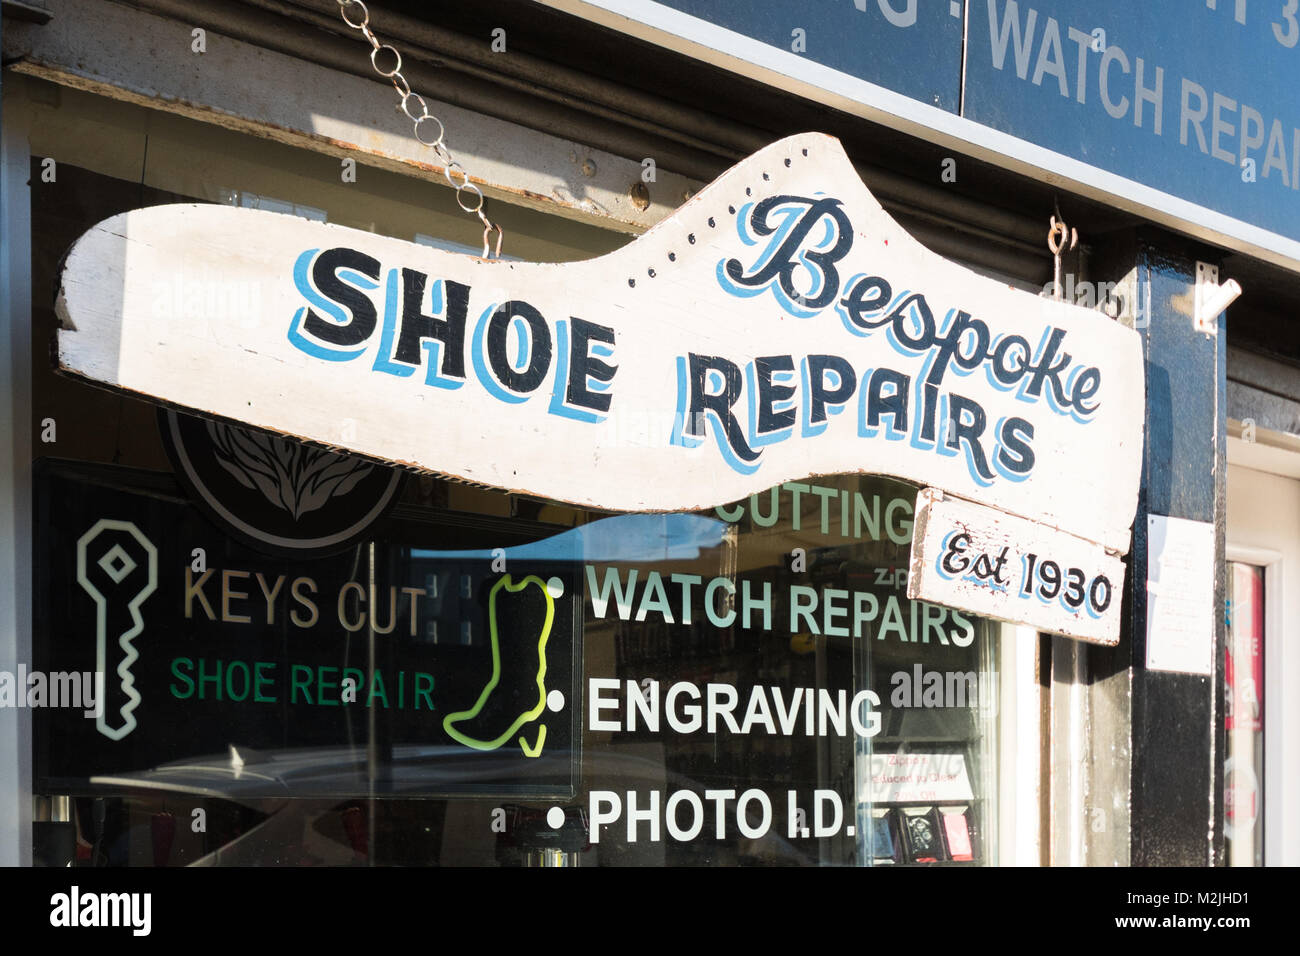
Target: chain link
357, 16
1060, 238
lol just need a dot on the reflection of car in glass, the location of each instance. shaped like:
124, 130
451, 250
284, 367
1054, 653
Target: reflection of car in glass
305, 825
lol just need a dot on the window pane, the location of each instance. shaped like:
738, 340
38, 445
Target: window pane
1243, 772
530, 683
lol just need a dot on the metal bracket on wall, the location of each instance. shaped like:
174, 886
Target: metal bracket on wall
1211, 298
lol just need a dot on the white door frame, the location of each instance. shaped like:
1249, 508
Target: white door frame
1274, 754
1281, 782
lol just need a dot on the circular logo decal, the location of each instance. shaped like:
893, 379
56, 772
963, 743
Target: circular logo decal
277, 494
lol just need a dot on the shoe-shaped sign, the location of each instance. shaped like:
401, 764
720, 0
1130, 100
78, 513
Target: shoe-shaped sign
779, 325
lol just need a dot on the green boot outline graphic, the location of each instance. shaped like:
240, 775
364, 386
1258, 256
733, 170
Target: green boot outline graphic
526, 716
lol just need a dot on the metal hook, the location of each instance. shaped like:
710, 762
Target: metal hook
1057, 235
488, 227
1056, 242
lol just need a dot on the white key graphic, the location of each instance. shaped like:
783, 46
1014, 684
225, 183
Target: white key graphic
118, 567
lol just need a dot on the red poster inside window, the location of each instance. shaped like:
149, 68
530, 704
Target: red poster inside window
1245, 663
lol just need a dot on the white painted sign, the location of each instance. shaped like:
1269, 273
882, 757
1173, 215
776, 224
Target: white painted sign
1180, 595
903, 778
779, 325
981, 560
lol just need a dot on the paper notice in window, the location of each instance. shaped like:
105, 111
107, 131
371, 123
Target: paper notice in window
1180, 595
909, 778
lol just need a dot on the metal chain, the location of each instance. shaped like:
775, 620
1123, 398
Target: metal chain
428, 128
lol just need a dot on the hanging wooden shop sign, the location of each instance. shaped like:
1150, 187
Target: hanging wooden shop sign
981, 560
779, 325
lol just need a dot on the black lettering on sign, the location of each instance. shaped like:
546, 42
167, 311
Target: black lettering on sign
1043, 370
1009, 367
894, 404
820, 394
954, 561
582, 366
769, 393
857, 305
792, 253
968, 430
915, 308
538, 346
719, 402
1085, 386
1015, 437
324, 274
949, 347
416, 326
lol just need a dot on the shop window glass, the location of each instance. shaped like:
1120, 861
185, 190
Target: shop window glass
1243, 771
749, 685
746, 685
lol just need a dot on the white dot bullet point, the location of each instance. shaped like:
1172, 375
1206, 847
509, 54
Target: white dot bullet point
554, 587
954, 9
555, 817
850, 831
555, 700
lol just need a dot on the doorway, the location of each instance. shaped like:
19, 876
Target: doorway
1262, 720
